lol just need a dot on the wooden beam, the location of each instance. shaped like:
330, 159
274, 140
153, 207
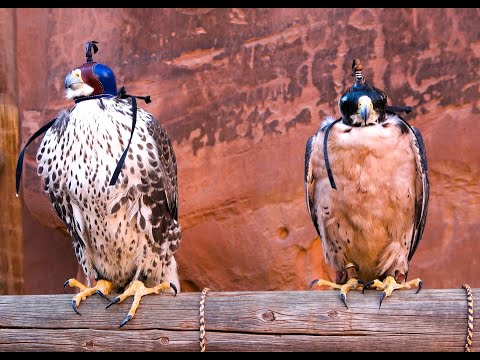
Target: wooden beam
432, 320
11, 234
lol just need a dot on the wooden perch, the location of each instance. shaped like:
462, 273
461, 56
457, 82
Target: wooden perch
316, 320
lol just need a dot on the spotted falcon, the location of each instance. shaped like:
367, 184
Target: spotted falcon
125, 234
367, 191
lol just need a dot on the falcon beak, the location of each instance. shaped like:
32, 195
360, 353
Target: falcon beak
364, 112
72, 82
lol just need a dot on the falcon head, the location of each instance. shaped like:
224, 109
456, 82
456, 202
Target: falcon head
362, 104
90, 79
75, 85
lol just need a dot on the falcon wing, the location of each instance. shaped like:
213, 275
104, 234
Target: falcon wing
168, 165
423, 189
152, 192
310, 182
160, 192
51, 182
60, 201
309, 177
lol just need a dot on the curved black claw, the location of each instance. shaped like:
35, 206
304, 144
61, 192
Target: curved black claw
74, 306
114, 301
370, 283
174, 288
65, 285
99, 292
381, 299
344, 299
365, 285
127, 319
420, 286
314, 282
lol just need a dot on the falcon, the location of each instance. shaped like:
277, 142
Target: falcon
125, 230
367, 191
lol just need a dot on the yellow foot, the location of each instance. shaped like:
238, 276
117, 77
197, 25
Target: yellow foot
102, 288
138, 289
390, 284
351, 284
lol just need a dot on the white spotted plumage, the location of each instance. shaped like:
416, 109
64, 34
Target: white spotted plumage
123, 232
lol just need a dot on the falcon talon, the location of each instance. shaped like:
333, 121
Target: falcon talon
384, 294
65, 284
420, 286
114, 301
344, 299
74, 306
365, 285
313, 283
99, 292
126, 320
174, 288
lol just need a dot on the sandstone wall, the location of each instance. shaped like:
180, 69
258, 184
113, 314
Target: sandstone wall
239, 92
11, 236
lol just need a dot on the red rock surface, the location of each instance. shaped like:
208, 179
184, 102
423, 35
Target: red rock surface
239, 92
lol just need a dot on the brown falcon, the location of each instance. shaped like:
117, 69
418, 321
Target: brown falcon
367, 190
125, 231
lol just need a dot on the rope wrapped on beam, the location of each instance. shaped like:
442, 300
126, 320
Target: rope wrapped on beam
469, 341
201, 318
